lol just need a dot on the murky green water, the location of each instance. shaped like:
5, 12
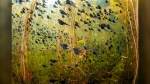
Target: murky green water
74, 42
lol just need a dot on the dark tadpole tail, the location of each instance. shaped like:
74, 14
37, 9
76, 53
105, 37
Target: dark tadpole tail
105, 29
79, 26
67, 24
67, 15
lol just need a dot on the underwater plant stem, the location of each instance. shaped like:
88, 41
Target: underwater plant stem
137, 33
23, 45
57, 40
18, 37
74, 30
135, 11
136, 47
73, 38
81, 71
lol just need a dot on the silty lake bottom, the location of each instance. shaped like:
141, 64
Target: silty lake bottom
74, 41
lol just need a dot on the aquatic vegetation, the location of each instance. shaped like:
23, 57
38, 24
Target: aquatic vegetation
74, 41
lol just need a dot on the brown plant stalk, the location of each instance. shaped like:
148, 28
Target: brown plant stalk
135, 41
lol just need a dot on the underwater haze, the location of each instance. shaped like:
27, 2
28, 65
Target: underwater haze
74, 41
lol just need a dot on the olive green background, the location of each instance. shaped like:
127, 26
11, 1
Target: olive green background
144, 42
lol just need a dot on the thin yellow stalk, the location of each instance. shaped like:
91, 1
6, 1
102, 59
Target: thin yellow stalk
81, 71
57, 41
73, 38
18, 37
